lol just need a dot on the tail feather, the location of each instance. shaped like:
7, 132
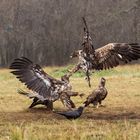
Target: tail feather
30, 95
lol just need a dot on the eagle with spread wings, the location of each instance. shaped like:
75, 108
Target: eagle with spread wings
44, 87
106, 57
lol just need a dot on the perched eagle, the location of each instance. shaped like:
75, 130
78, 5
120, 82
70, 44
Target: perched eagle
45, 87
97, 95
106, 57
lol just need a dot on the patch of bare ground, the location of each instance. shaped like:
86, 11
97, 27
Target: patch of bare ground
102, 113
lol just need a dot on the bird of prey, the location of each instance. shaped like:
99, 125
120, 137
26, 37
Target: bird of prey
74, 114
97, 95
35, 78
45, 87
106, 57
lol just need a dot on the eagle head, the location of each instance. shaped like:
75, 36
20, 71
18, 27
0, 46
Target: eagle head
76, 53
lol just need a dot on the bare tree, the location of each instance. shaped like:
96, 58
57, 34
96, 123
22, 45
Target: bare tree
48, 31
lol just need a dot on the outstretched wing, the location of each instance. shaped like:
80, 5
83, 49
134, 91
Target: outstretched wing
113, 54
87, 41
35, 78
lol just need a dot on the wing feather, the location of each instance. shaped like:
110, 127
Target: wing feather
34, 77
113, 54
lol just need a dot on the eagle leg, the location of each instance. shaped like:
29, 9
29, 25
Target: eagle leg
49, 105
34, 102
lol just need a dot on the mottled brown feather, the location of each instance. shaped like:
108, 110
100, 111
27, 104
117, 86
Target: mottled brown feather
113, 54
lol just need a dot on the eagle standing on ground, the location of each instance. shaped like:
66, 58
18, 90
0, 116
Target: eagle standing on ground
106, 57
46, 88
97, 95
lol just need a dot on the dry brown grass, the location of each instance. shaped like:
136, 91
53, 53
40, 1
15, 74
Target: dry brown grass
118, 120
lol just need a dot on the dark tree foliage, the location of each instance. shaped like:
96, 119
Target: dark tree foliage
47, 31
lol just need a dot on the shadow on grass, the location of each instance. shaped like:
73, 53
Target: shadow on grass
111, 116
38, 114
112, 113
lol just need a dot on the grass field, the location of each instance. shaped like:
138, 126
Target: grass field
118, 120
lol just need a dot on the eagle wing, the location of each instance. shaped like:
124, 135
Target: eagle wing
103, 94
87, 41
33, 76
113, 54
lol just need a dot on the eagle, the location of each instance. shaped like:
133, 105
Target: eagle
45, 88
98, 95
105, 57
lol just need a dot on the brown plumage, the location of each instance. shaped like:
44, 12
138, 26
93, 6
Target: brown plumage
109, 56
67, 102
106, 57
44, 87
37, 80
97, 95
65, 98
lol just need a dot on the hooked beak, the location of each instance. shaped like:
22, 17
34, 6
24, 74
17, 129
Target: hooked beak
74, 54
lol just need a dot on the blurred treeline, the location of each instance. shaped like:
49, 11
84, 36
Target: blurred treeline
47, 31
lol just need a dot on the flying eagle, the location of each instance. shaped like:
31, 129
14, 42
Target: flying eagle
45, 87
97, 95
106, 57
